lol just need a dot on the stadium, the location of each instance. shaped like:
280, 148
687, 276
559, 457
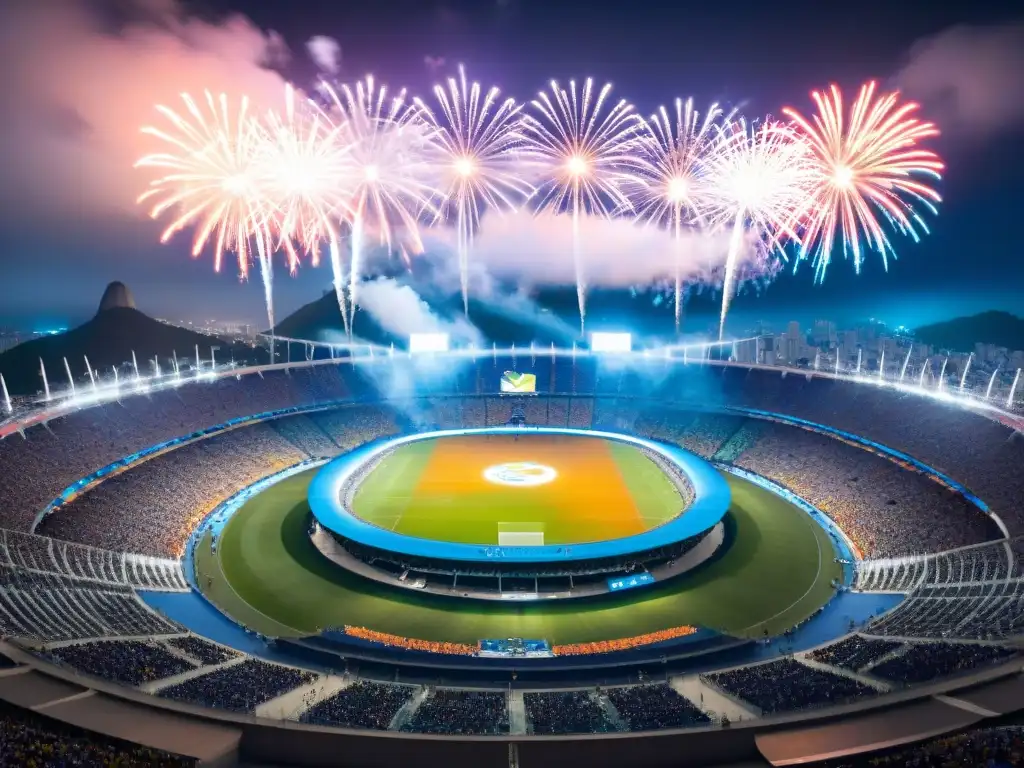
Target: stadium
507, 557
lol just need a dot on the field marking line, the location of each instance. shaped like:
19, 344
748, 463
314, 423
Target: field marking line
814, 582
610, 449
224, 577
404, 499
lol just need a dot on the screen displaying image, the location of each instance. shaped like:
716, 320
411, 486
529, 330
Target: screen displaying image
524, 383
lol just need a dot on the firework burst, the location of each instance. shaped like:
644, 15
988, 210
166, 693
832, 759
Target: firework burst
864, 163
307, 164
393, 158
760, 178
589, 158
211, 182
306, 160
676, 184
478, 137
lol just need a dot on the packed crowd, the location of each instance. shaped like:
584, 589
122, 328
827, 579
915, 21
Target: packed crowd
622, 644
410, 643
450, 711
35, 741
241, 687
361, 705
885, 509
988, 748
129, 662
201, 650
854, 652
700, 433
581, 412
650, 707
304, 433
785, 685
975, 450
927, 661
153, 507
565, 712
354, 425
34, 470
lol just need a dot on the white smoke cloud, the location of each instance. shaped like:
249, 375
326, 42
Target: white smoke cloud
971, 79
325, 53
79, 91
538, 250
401, 311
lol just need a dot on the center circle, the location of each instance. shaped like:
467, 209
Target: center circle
521, 474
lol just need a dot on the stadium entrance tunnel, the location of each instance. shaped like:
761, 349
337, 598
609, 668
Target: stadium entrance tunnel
518, 513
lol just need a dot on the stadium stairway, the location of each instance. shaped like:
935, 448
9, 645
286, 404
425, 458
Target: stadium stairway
893, 654
292, 704
407, 710
711, 701
176, 651
516, 713
611, 712
167, 682
863, 679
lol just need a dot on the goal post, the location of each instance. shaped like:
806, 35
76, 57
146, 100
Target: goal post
521, 534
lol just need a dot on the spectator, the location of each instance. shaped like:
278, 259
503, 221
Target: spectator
361, 705
785, 685
565, 712
649, 707
28, 739
854, 652
461, 712
241, 687
204, 652
990, 747
128, 662
928, 661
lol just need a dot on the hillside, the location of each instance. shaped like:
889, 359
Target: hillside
962, 333
549, 316
109, 339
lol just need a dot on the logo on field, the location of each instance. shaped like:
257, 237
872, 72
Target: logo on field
520, 473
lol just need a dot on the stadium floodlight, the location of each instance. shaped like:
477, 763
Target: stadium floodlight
611, 342
428, 342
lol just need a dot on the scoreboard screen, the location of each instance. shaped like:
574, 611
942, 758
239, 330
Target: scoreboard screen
518, 383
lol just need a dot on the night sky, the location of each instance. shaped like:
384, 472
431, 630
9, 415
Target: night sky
761, 56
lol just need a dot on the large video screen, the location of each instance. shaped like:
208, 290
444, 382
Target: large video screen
518, 383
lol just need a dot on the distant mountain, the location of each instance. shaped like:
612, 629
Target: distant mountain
109, 339
320, 320
547, 316
962, 333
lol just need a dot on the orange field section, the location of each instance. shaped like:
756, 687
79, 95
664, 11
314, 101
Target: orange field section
588, 500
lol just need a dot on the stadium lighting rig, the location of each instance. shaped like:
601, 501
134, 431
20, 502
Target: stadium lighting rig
17, 414
601, 341
428, 342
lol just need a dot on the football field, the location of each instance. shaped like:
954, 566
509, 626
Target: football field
774, 571
525, 489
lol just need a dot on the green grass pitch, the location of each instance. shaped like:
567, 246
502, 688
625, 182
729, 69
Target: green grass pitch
437, 489
267, 575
